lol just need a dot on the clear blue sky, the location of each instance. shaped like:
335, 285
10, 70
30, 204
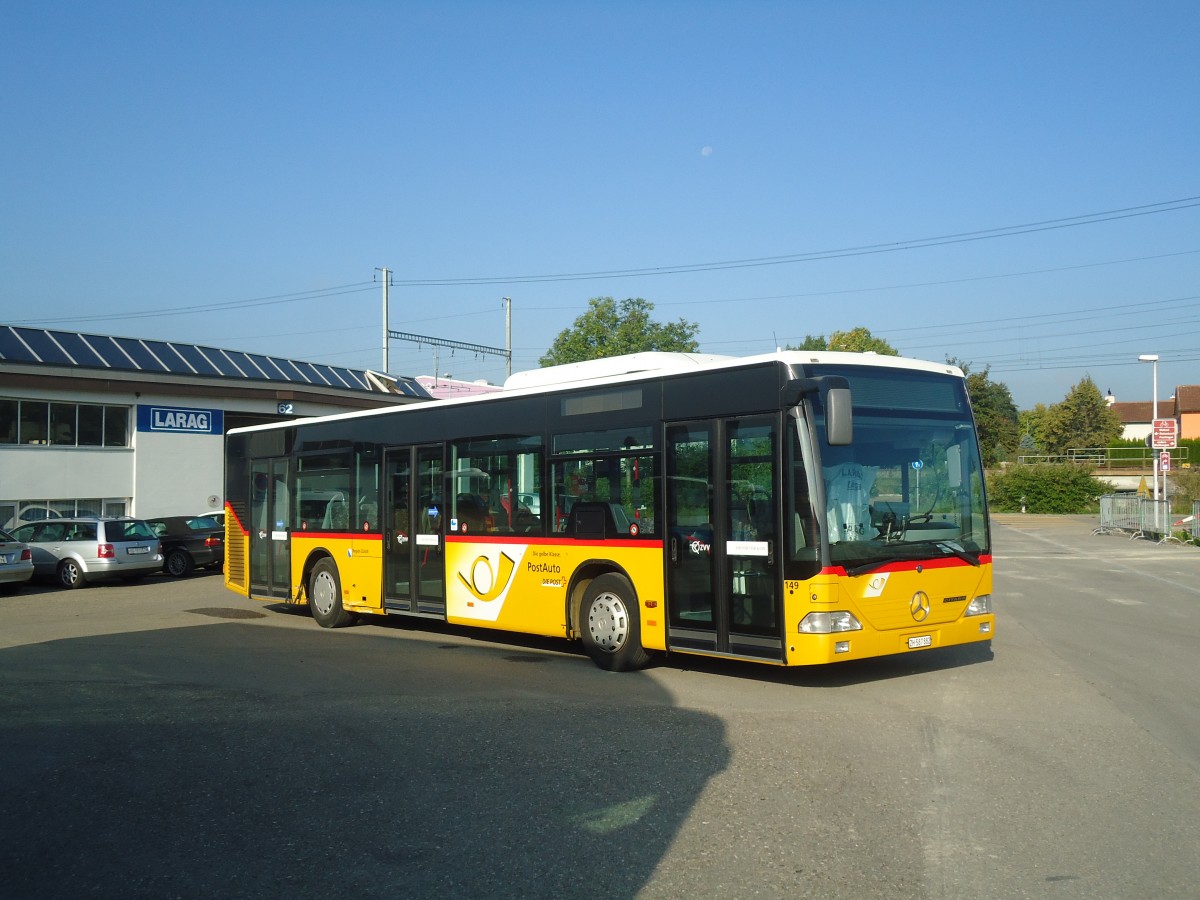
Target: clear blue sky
234, 174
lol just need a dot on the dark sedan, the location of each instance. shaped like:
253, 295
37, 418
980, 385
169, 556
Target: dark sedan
189, 541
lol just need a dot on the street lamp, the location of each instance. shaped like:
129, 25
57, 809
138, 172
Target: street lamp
1152, 358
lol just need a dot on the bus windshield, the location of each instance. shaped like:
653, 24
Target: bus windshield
910, 486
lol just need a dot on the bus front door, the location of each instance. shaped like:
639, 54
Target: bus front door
723, 582
414, 574
270, 518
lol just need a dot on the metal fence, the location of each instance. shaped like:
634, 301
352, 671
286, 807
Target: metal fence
1141, 517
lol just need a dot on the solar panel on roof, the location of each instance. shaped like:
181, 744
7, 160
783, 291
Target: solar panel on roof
81, 354
44, 347
12, 348
142, 358
292, 371
344, 377
96, 351
195, 359
167, 357
264, 365
110, 351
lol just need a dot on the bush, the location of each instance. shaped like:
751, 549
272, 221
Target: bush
1046, 488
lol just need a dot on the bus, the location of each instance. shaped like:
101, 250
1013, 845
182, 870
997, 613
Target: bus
792, 509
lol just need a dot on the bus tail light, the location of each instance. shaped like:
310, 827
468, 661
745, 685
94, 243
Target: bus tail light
829, 622
980, 606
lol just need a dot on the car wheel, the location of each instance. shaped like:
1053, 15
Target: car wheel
179, 563
70, 574
325, 596
610, 624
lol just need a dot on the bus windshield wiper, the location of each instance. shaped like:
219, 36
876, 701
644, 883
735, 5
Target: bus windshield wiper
872, 564
958, 550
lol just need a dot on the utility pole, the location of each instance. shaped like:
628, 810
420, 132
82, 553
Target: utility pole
386, 278
507, 336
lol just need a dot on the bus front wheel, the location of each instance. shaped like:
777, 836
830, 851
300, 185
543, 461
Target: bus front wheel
325, 596
610, 624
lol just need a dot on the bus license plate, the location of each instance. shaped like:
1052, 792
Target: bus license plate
925, 640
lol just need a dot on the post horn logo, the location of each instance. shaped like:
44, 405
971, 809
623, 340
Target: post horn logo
485, 583
919, 606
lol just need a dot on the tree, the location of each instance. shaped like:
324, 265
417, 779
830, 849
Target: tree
612, 329
1082, 419
856, 340
1030, 422
996, 416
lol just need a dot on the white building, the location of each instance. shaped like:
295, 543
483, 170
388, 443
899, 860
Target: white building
93, 424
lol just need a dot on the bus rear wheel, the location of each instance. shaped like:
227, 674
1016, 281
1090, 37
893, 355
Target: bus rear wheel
325, 596
611, 626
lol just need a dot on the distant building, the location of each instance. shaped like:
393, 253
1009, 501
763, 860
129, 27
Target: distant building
1137, 416
443, 387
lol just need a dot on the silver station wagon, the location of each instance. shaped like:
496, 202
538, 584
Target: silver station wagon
75, 551
16, 564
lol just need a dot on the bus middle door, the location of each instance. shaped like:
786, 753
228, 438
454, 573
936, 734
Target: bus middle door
414, 543
723, 583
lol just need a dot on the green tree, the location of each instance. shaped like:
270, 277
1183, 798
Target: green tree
996, 416
612, 329
856, 340
1082, 419
1031, 422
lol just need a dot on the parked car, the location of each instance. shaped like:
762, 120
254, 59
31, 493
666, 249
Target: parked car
189, 541
79, 550
16, 564
218, 516
31, 513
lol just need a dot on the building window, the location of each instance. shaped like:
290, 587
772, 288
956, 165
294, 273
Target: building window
38, 422
34, 421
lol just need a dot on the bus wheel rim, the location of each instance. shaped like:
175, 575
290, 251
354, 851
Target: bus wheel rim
323, 593
608, 622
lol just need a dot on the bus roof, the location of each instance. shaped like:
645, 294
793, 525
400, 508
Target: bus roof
635, 367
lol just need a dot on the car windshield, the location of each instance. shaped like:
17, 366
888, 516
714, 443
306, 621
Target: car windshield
6, 537
910, 486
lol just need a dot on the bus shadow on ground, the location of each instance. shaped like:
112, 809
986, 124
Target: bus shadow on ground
832, 675
236, 760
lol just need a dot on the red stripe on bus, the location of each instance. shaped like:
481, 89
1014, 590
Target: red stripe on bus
551, 542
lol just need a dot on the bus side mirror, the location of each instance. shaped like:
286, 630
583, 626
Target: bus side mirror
835, 397
839, 420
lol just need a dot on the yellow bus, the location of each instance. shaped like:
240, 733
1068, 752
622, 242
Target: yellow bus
792, 509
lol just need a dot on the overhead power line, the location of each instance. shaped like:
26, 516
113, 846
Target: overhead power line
812, 256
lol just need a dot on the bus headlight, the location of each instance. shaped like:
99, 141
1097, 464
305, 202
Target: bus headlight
829, 622
980, 606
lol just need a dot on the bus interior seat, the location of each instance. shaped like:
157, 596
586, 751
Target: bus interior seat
337, 512
594, 521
